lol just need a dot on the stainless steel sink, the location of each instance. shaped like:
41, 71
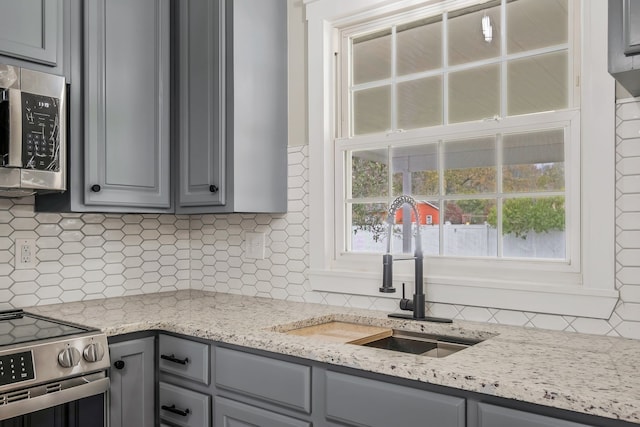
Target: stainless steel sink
422, 344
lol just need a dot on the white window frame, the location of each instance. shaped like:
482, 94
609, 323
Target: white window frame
586, 289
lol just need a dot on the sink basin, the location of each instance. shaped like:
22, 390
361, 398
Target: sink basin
385, 338
422, 344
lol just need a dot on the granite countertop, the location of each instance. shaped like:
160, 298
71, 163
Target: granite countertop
590, 374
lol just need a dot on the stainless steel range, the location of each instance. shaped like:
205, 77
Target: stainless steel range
45, 363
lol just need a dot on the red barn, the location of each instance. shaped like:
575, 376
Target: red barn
428, 212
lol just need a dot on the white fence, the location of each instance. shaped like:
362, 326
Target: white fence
469, 240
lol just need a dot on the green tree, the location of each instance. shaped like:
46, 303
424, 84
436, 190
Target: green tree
524, 215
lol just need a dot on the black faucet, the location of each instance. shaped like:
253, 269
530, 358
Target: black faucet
417, 304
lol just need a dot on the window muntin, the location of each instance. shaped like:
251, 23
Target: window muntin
501, 195
440, 73
430, 71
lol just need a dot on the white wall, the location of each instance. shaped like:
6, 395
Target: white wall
94, 255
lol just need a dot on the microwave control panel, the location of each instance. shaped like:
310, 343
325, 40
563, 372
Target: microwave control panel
40, 132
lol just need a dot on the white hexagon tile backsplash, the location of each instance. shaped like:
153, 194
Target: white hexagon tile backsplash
88, 256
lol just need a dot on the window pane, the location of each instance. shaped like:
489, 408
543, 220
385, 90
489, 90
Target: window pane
534, 228
419, 46
372, 57
429, 213
470, 166
466, 229
369, 174
420, 103
467, 42
415, 170
372, 110
533, 161
533, 24
369, 230
539, 83
474, 94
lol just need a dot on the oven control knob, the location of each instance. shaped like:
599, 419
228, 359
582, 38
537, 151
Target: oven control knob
69, 357
93, 352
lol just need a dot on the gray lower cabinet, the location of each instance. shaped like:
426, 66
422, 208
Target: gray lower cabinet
185, 395
275, 381
204, 384
496, 416
184, 407
230, 413
33, 31
366, 402
126, 90
131, 396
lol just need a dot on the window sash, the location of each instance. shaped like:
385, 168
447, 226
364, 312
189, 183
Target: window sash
567, 120
347, 88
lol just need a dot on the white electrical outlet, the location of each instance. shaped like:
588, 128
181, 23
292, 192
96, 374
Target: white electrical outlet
25, 254
254, 245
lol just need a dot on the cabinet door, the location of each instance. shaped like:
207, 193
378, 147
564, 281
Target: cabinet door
235, 414
29, 29
127, 117
496, 416
201, 154
361, 401
631, 27
132, 383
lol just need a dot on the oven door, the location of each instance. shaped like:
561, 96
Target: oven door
89, 411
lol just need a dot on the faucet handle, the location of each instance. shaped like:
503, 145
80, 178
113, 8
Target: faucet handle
405, 304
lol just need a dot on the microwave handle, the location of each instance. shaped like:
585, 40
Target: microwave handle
15, 124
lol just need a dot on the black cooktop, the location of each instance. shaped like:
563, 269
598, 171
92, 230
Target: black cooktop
16, 327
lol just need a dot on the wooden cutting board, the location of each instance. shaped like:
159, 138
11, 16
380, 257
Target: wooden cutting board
342, 332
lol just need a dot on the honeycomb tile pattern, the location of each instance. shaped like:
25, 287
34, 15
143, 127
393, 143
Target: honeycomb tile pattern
87, 256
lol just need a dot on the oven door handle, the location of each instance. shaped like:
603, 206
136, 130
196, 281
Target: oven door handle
27, 406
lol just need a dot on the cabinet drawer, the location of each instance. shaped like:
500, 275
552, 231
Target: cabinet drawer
276, 381
378, 404
184, 407
230, 413
497, 416
188, 359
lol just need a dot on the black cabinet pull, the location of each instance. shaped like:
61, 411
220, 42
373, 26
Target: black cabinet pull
175, 410
213, 188
96, 188
174, 359
119, 364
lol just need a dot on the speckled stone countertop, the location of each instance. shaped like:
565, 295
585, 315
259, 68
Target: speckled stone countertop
584, 373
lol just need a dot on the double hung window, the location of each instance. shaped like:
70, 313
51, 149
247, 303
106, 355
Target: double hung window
473, 113
497, 117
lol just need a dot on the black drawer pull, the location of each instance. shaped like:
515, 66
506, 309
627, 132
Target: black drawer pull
96, 188
174, 359
175, 410
213, 188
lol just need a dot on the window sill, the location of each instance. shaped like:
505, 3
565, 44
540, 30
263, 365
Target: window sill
559, 300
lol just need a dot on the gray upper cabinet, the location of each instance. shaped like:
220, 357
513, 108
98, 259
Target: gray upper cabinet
126, 89
32, 34
201, 151
219, 147
233, 106
624, 43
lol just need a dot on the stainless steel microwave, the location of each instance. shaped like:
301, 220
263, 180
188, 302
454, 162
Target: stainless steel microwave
33, 132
